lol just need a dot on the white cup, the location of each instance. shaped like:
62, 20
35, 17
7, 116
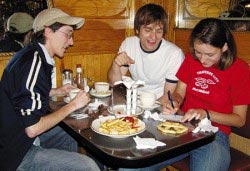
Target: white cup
147, 99
101, 87
73, 93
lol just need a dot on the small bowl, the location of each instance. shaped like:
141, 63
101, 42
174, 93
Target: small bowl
147, 99
101, 87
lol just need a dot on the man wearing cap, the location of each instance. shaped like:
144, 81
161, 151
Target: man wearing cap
19, 31
30, 138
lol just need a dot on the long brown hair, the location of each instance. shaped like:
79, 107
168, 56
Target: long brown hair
215, 32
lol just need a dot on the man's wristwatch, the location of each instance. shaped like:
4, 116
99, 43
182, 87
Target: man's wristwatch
208, 114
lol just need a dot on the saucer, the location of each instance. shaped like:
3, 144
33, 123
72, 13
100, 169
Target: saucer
120, 110
99, 95
157, 104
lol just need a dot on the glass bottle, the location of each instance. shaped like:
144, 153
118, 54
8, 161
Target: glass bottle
67, 77
78, 79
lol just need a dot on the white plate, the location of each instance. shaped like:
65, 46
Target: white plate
100, 95
120, 110
97, 122
157, 104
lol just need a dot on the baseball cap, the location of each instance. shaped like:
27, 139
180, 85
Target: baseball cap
50, 16
20, 22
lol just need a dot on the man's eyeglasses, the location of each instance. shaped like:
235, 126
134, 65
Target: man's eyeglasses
69, 35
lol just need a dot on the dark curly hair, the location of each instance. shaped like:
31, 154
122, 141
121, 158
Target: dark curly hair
148, 14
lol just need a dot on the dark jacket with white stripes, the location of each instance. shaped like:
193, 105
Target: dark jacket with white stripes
24, 94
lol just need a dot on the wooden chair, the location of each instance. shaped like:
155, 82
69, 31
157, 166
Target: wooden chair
240, 161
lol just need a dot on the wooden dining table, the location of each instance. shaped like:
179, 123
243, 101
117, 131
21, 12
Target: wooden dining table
122, 152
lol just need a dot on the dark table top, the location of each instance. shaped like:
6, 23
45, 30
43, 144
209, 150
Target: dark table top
122, 152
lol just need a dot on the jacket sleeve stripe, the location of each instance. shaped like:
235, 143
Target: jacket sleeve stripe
31, 81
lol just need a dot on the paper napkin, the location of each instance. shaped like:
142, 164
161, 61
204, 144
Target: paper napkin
144, 143
94, 105
162, 117
155, 116
176, 118
205, 126
129, 83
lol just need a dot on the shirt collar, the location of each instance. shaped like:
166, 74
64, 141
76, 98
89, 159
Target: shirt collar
152, 50
50, 60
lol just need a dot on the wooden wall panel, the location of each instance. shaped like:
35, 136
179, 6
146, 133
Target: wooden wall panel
241, 38
3, 62
95, 66
243, 44
96, 44
240, 143
181, 39
190, 12
105, 24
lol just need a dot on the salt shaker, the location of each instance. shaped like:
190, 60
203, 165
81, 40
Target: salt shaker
67, 77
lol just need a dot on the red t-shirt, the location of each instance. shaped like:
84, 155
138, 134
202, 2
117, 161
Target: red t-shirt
214, 89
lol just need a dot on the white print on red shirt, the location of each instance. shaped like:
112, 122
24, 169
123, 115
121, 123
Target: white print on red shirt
202, 83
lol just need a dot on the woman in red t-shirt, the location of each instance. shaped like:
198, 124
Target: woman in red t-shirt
213, 83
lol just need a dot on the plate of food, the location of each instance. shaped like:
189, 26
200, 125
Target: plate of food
94, 93
118, 127
120, 110
171, 127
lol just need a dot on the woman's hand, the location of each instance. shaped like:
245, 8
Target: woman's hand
194, 114
168, 109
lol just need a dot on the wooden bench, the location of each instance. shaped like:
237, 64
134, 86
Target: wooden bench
240, 161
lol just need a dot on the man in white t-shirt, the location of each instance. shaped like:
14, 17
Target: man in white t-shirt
148, 56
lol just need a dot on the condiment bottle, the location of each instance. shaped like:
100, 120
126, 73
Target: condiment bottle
78, 79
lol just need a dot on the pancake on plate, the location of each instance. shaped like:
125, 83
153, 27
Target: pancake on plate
170, 127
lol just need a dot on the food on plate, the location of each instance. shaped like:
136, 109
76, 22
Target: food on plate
172, 127
120, 126
118, 112
100, 93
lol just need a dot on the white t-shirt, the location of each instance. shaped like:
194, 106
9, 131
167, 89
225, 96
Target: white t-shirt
153, 68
